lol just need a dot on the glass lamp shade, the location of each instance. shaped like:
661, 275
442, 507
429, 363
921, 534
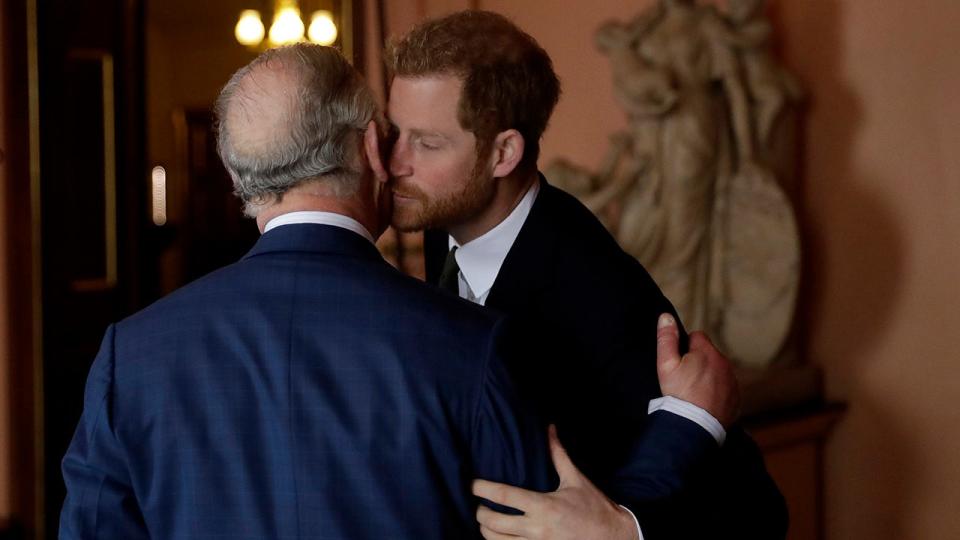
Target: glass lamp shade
287, 26
249, 30
322, 29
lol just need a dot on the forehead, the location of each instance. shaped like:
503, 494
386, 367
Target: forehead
430, 100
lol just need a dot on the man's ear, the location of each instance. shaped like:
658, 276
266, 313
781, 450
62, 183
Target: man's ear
508, 147
371, 146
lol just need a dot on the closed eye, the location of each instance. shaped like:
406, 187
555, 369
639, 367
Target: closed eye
429, 142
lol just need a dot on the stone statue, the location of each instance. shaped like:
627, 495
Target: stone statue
771, 87
688, 188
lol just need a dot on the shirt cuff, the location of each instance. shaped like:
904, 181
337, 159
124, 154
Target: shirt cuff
691, 412
639, 532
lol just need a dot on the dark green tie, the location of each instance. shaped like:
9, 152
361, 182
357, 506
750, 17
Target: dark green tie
449, 277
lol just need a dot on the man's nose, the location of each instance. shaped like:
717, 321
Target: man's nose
399, 160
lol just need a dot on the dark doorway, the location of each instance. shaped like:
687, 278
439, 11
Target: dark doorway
96, 260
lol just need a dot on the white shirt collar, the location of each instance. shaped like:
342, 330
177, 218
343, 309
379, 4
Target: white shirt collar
481, 258
320, 218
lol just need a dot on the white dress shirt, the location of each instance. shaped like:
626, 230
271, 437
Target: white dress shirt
480, 261
319, 218
481, 258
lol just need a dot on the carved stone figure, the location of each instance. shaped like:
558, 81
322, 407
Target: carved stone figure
771, 87
688, 188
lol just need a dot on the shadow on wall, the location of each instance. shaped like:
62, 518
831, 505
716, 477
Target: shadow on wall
853, 259
879, 447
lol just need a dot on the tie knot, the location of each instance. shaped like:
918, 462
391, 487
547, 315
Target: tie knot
449, 277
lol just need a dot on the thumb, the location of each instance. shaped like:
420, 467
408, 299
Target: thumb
701, 342
668, 348
566, 470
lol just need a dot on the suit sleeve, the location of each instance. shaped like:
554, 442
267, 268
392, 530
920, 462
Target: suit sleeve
667, 454
509, 442
724, 494
100, 500
672, 475
681, 485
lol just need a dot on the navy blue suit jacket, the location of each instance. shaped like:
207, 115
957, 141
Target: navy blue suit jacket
308, 391
591, 311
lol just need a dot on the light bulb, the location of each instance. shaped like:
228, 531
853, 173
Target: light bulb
249, 30
322, 30
287, 26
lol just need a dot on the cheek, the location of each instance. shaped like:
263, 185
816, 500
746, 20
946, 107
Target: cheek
439, 177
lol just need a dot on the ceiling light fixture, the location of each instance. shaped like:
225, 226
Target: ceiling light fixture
287, 27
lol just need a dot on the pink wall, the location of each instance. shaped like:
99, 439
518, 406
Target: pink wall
880, 215
586, 114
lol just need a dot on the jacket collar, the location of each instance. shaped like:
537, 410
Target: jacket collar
314, 238
531, 257
529, 261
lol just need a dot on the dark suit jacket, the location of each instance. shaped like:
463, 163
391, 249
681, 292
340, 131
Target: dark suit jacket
307, 391
590, 311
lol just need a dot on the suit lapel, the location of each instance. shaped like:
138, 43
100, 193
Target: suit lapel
528, 262
528, 265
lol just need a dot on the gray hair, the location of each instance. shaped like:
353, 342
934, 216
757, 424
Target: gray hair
312, 129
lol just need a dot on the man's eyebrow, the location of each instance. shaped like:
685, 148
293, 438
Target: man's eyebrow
416, 132
428, 133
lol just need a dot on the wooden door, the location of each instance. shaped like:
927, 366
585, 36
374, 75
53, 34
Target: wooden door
95, 260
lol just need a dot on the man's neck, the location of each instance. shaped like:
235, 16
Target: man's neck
296, 201
510, 190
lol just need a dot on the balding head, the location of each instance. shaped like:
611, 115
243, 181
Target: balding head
258, 116
293, 115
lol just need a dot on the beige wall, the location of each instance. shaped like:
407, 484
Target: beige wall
880, 215
586, 114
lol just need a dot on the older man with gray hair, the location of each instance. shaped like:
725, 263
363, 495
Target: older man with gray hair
294, 118
308, 390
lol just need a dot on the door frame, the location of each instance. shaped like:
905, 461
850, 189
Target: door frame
21, 257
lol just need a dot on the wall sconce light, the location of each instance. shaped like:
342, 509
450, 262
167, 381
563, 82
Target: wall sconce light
287, 26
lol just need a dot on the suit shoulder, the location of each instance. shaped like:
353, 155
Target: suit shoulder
576, 234
596, 289
444, 308
198, 294
586, 251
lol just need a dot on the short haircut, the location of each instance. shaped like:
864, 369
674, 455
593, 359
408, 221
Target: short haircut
508, 79
302, 121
